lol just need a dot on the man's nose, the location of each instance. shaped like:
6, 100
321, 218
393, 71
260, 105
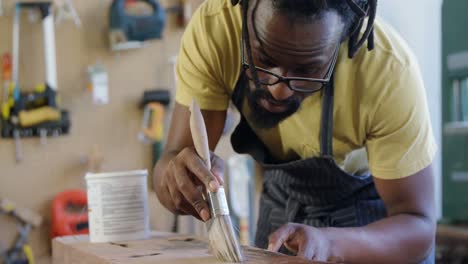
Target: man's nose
280, 91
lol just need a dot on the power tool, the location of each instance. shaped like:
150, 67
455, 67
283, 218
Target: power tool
132, 29
152, 131
69, 214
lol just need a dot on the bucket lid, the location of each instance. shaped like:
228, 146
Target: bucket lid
94, 176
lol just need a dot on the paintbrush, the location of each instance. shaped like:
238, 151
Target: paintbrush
221, 236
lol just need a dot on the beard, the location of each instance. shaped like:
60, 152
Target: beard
264, 119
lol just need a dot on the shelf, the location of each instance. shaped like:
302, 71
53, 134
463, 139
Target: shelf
456, 128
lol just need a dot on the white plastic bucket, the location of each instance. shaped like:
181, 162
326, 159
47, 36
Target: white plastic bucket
118, 206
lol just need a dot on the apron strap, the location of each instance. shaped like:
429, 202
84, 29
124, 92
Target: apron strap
238, 94
326, 126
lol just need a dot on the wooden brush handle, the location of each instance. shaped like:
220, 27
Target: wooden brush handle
217, 200
199, 136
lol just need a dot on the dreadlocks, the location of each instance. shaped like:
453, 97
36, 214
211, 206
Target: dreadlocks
353, 13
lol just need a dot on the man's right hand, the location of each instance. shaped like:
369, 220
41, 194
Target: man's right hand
184, 179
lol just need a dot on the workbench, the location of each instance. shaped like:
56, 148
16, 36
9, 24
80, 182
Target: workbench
160, 248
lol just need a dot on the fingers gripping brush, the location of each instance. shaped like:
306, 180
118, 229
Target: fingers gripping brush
221, 236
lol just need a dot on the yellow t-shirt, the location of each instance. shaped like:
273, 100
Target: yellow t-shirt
381, 118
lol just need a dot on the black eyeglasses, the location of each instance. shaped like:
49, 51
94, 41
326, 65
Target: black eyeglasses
298, 84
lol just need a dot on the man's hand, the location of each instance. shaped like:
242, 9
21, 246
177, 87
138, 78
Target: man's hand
306, 241
180, 175
183, 181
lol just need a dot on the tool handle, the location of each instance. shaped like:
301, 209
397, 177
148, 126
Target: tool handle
26, 215
39, 115
199, 135
217, 200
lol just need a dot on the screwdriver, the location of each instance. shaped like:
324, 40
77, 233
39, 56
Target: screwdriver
17, 137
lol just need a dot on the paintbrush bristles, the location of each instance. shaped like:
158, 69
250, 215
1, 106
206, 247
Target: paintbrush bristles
223, 240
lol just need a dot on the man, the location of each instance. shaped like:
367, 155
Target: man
343, 132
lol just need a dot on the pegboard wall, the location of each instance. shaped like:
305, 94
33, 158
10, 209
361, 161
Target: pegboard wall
110, 129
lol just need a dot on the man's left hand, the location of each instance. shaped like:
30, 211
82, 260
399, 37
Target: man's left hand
306, 241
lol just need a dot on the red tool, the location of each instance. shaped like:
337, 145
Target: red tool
6, 75
69, 214
6, 65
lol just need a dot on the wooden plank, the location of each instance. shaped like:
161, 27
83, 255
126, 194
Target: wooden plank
160, 248
458, 234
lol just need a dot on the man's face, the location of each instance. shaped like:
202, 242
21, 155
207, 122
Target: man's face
290, 49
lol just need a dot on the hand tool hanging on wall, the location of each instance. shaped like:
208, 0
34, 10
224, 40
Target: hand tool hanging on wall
8, 86
152, 130
36, 113
21, 252
98, 83
6, 76
129, 30
64, 10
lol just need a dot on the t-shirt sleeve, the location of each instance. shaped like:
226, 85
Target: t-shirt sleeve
400, 139
197, 67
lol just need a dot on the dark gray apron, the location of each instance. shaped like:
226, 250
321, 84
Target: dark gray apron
313, 191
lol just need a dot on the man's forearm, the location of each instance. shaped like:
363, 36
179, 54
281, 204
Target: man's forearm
402, 238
